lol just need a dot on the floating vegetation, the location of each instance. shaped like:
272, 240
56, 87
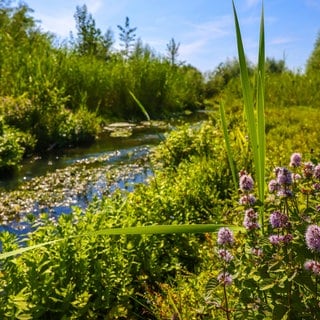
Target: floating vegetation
76, 185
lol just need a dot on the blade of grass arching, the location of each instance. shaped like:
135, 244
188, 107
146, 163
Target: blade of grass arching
155, 229
140, 105
228, 146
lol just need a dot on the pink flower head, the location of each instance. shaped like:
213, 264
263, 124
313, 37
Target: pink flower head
245, 181
296, 177
284, 176
279, 220
308, 169
273, 186
225, 278
313, 266
250, 220
277, 239
295, 160
284, 193
225, 255
316, 172
257, 252
247, 199
225, 236
313, 237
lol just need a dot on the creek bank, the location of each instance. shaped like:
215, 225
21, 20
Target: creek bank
54, 184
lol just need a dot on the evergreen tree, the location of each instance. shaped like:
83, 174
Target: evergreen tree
127, 37
313, 63
90, 40
172, 51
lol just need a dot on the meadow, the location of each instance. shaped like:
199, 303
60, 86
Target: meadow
227, 228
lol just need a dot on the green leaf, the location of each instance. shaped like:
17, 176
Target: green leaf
267, 285
211, 284
228, 146
255, 124
280, 312
140, 105
155, 229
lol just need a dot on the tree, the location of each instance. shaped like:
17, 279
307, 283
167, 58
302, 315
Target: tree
172, 51
313, 63
127, 37
90, 40
275, 66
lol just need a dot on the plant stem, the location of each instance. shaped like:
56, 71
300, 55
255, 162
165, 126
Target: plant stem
226, 302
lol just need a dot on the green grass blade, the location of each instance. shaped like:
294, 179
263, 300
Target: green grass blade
261, 116
255, 123
155, 229
247, 95
140, 105
228, 146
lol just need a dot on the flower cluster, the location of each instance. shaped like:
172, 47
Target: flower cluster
295, 160
278, 239
225, 278
313, 238
225, 239
279, 220
313, 266
281, 185
250, 221
225, 255
245, 181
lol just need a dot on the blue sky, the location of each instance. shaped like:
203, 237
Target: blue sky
204, 28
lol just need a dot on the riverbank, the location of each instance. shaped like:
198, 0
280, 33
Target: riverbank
75, 177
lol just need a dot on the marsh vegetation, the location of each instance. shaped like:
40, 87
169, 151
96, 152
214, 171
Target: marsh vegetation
226, 227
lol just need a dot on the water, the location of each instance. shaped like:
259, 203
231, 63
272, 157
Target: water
54, 183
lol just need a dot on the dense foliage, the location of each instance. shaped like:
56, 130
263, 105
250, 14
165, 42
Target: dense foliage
67, 268
59, 94
149, 276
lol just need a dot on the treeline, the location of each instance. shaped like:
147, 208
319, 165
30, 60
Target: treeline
55, 94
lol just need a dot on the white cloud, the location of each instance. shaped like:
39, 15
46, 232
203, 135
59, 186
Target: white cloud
60, 25
313, 3
252, 3
281, 40
94, 5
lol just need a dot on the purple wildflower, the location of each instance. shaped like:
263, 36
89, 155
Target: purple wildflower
316, 186
250, 220
308, 169
273, 186
225, 236
277, 239
295, 160
296, 177
284, 193
284, 176
313, 237
245, 182
313, 266
247, 199
279, 220
318, 207
225, 278
225, 255
257, 252
316, 172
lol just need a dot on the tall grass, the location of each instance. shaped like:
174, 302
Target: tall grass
254, 110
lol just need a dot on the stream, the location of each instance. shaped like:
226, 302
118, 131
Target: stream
58, 181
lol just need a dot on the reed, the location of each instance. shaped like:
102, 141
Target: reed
254, 109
